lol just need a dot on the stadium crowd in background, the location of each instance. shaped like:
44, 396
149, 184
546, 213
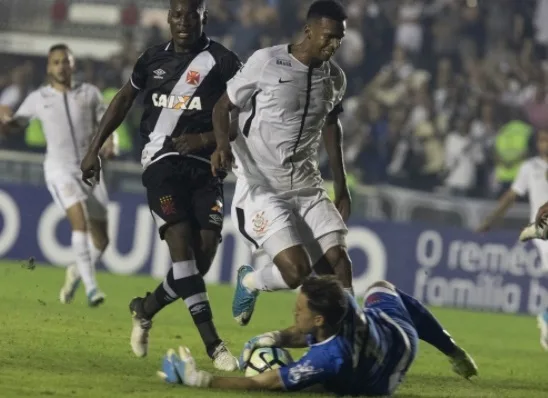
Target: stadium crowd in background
442, 94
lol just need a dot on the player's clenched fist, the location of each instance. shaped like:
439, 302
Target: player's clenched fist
91, 168
221, 159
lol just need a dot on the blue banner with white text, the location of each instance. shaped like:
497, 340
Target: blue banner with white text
440, 266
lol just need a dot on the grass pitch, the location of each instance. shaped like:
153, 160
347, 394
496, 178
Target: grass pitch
51, 349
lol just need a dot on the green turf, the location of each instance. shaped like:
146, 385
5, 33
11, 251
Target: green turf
50, 349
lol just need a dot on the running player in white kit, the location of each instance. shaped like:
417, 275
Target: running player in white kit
532, 180
288, 96
69, 114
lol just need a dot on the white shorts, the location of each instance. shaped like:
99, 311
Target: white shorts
260, 212
67, 189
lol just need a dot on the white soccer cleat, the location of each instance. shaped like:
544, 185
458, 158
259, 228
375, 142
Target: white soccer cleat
224, 360
542, 321
463, 364
96, 298
141, 328
533, 231
72, 281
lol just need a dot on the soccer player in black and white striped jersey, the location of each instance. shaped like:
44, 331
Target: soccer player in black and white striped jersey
180, 82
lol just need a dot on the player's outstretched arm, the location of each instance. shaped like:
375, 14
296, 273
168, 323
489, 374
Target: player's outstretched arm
17, 122
332, 137
269, 380
288, 338
181, 369
292, 338
503, 205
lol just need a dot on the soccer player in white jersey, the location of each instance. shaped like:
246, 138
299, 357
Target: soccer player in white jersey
288, 97
532, 180
69, 113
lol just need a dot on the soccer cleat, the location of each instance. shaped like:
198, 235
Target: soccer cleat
244, 299
463, 364
141, 327
533, 231
542, 320
223, 359
96, 298
72, 281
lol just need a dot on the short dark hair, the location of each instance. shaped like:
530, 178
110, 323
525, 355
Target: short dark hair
326, 297
200, 4
330, 9
59, 47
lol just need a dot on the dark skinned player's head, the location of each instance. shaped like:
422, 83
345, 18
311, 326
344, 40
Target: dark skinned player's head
325, 28
186, 19
60, 64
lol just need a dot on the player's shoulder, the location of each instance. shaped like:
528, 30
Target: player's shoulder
40, 93
154, 50
335, 69
88, 88
270, 54
534, 163
219, 51
337, 74
332, 351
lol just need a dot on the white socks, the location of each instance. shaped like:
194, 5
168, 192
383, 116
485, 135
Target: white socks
267, 279
84, 261
95, 253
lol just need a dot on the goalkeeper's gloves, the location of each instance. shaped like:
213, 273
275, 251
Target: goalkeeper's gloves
182, 369
269, 339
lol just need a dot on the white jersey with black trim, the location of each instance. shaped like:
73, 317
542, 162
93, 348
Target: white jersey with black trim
69, 120
283, 107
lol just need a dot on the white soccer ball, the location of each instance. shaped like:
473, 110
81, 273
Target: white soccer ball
267, 358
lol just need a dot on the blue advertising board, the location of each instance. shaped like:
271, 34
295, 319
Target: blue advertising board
441, 266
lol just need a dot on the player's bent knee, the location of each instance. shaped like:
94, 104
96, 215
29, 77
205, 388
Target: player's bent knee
178, 238
295, 277
101, 244
383, 285
77, 217
333, 245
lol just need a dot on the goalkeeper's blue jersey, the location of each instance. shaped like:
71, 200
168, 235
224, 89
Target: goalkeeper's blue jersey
369, 356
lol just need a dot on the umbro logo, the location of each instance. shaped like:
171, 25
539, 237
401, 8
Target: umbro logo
159, 73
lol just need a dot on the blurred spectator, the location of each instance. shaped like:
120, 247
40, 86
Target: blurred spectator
511, 148
409, 31
536, 108
460, 158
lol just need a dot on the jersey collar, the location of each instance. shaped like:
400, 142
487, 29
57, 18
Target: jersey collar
202, 44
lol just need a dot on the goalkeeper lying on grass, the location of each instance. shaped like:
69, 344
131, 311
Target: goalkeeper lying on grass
352, 350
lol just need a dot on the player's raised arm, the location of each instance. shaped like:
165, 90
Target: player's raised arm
332, 137
519, 188
309, 371
21, 118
